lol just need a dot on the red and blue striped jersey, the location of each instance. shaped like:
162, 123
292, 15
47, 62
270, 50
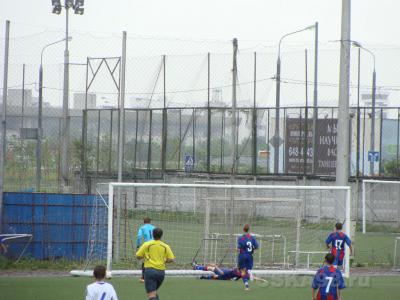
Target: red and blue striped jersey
328, 280
337, 240
246, 244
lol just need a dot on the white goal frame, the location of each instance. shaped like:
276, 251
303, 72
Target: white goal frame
364, 197
346, 190
396, 242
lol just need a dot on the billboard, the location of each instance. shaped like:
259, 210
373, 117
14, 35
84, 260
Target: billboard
299, 154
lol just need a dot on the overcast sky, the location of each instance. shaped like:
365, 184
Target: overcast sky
375, 24
373, 21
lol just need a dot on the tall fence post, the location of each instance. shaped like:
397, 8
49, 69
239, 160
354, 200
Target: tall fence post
164, 123
3, 148
122, 110
208, 116
315, 104
120, 144
254, 127
234, 148
305, 145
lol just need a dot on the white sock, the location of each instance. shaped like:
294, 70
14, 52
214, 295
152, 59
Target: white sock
251, 275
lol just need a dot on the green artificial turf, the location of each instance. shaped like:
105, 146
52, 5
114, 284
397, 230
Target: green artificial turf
50, 288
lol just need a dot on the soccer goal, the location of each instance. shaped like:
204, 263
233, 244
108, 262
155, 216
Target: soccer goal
380, 205
202, 222
13, 245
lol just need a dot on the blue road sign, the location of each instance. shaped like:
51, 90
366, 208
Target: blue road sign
373, 156
189, 162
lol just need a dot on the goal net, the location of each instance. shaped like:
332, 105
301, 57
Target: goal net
203, 221
380, 206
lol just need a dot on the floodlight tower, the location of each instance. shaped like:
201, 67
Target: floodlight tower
77, 6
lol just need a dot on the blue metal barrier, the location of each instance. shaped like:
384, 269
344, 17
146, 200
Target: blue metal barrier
59, 223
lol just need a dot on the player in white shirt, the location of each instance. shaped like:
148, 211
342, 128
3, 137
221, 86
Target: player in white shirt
100, 290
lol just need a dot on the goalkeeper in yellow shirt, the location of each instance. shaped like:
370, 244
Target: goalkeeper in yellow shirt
155, 254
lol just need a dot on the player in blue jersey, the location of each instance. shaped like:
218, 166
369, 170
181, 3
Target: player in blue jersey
225, 274
328, 281
145, 234
246, 244
336, 241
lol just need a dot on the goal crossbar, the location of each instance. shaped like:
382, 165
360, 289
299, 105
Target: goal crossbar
261, 199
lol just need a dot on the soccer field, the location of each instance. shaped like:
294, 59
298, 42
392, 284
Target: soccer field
50, 288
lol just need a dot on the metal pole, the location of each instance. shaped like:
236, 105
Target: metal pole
65, 129
276, 138
87, 81
380, 143
277, 105
234, 142
22, 119
315, 104
398, 142
39, 132
208, 115
254, 158
121, 139
3, 147
23, 96
372, 162
342, 159
122, 110
364, 223
164, 122
358, 114
305, 150
233, 110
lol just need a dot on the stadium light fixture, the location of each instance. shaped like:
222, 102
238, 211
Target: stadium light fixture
78, 7
69, 3
358, 45
79, 10
56, 6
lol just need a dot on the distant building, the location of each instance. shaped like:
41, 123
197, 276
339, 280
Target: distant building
14, 97
79, 100
138, 102
381, 101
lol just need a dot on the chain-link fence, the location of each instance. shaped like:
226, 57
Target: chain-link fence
187, 136
178, 95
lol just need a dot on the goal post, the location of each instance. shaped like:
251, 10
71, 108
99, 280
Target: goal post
396, 254
380, 204
289, 221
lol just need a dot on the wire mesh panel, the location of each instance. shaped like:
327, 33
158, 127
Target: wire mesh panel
203, 222
380, 207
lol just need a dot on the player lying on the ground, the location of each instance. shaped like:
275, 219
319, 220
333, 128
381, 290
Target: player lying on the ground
336, 241
328, 281
226, 274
